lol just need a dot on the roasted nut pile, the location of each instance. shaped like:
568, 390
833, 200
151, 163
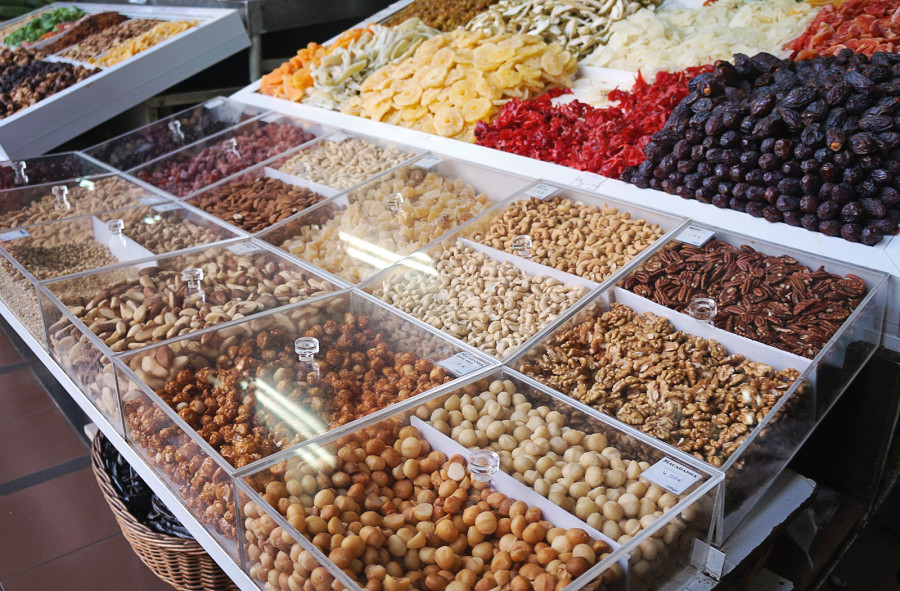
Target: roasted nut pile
255, 205
164, 232
578, 26
359, 373
684, 390
432, 204
771, 299
396, 516
102, 42
441, 14
25, 79
153, 304
345, 163
588, 241
102, 195
581, 472
203, 484
489, 304
87, 26
183, 173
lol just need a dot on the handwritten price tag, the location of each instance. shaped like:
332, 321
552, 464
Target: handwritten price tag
588, 181
244, 248
671, 476
541, 191
428, 162
164, 207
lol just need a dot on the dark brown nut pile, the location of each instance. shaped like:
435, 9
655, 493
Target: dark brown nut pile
441, 14
203, 484
397, 516
102, 42
164, 232
358, 374
103, 195
89, 25
152, 304
256, 205
771, 299
684, 390
588, 241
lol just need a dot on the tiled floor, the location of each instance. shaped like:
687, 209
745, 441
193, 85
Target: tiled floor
56, 531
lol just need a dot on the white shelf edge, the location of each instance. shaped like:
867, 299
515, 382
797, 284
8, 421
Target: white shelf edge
171, 500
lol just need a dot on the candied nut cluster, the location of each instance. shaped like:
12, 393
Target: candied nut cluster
103, 194
397, 516
490, 304
431, 205
255, 205
203, 484
358, 373
152, 304
771, 299
581, 472
685, 390
586, 240
345, 163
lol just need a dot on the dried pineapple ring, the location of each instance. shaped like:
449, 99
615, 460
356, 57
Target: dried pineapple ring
413, 113
410, 93
477, 109
454, 75
462, 92
443, 58
425, 124
448, 121
553, 63
376, 99
484, 56
403, 70
434, 77
375, 80
429, 95
487, 90
515, 42
464, 56
378, 111
505, 77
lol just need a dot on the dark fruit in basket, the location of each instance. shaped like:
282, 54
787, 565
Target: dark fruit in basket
873, 208
851, 232
876, 123
870, 236
830, 227
834, 139
810, 222
863, 143
852, 212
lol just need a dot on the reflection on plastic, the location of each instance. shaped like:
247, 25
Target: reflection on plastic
62, 202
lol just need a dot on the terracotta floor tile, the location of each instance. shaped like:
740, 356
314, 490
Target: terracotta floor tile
48, 520
108, 565
36, 442
8, 353
21, 394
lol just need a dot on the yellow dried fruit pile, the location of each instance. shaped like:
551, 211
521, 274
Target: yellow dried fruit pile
456, 79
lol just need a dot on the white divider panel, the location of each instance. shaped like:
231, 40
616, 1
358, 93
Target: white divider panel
122, 247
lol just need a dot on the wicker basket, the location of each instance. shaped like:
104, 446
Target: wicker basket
184, 564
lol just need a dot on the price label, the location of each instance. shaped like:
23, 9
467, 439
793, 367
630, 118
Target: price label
695, 236
428, 162
214, 103
338, 137
541, 191
588, 181
671, 476
244, 248
164, 207
462, 363
13, 234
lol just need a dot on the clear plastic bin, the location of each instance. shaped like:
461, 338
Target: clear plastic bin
214, 158
46, 170
406, 500
171, 133
61, 200
285, 376
373, 226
